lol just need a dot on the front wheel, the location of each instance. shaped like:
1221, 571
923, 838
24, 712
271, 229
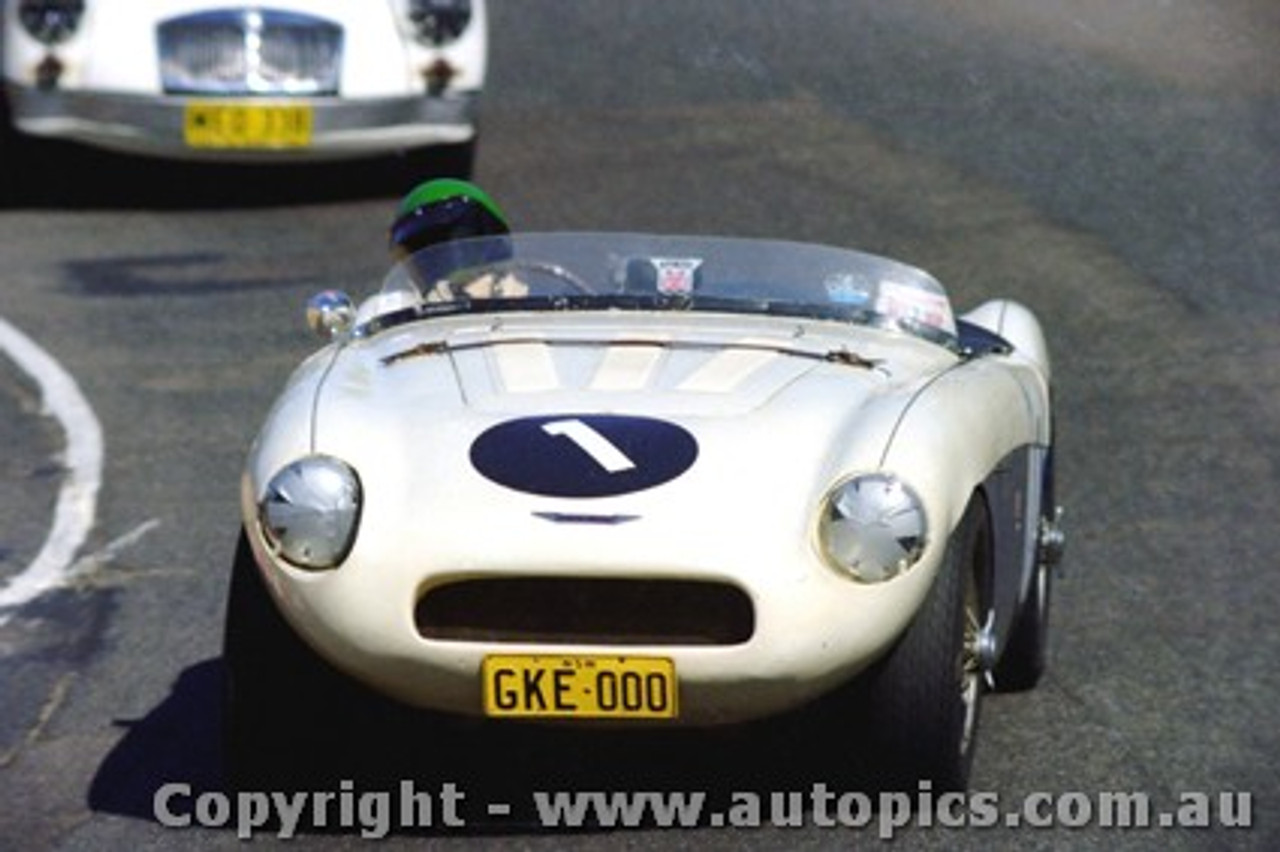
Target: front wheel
284, 709
1025, 657
454, 160
1026, 653
293, 722
14, 157
924, 699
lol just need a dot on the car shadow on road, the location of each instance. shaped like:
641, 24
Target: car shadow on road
56, 175
180, 742
177, 742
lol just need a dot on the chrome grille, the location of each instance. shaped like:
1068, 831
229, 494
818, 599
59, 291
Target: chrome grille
250, 52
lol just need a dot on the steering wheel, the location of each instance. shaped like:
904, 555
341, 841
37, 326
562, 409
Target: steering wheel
525, 269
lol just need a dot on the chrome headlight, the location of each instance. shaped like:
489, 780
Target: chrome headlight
310, 512
439, 21
872, 527
51, 21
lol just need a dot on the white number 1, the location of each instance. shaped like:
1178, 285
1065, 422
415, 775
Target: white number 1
591, 442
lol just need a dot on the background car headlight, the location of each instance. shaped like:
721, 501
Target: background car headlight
310, 511
872, 527
439, 21
51, 21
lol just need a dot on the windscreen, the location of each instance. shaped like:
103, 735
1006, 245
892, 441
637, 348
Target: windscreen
596, 271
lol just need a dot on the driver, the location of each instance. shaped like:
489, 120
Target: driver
438, 214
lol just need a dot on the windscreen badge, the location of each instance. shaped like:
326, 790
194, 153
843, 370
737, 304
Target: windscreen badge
677, 276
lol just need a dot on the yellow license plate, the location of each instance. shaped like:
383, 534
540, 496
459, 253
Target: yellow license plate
242, 125
580, 686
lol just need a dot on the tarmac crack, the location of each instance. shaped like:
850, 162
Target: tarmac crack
52, 703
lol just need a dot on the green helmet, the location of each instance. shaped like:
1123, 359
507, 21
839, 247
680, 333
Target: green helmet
442, 210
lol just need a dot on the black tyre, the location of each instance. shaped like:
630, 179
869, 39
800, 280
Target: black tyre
454, 161
285, 712
13, 162
1026, 654
924, 699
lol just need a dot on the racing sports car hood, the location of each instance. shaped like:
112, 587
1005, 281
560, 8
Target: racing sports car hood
601, 419
570, 367
628, 380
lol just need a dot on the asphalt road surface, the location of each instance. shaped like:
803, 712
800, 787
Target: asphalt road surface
1113, 164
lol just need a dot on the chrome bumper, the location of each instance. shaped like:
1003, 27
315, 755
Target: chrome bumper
153, 125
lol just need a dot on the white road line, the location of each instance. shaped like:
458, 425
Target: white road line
77, 504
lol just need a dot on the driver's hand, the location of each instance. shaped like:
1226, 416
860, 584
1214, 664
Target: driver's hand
443, 291
496, 286
488, 286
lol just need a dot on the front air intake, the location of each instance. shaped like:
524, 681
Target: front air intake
587, 611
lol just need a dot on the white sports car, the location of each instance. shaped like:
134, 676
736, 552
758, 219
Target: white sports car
611, 479
284, 79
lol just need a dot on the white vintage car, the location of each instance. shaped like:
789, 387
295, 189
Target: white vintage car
228, 80
622, 479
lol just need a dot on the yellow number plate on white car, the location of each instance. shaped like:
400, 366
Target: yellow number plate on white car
243, 125
580, 686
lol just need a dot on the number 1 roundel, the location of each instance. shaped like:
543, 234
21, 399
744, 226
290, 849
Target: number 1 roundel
583, 455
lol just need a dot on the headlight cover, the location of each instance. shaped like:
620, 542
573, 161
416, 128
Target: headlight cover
439, 22
310, 512
872, 527
51, 21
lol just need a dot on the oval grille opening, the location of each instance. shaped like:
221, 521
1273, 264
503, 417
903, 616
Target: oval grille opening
571, 610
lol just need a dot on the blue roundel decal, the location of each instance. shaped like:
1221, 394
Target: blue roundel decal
583, 455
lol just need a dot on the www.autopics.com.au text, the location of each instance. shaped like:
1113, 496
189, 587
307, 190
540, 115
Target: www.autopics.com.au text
376, 813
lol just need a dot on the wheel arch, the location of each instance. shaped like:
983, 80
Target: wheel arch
1015, 491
